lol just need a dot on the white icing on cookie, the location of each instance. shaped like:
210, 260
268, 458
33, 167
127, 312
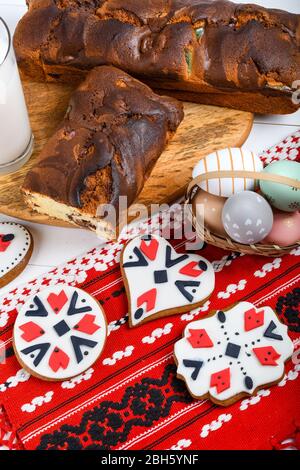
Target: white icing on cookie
59, 333
159, 279
233, 352
15, 242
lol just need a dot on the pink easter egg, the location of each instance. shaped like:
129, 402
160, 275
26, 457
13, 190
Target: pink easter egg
285, 230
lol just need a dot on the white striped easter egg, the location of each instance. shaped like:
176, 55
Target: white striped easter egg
235, 159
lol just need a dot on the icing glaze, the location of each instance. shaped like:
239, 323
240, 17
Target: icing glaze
15, 242
59, 333
159, 280
233, 352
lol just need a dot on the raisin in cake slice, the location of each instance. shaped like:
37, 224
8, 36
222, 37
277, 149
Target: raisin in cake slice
114, 131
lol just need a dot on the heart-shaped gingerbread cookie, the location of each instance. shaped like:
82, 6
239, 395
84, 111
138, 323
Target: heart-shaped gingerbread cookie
161, 282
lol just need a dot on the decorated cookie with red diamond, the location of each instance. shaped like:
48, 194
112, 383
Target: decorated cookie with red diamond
16, 247
233, 354
59, 333
160, 282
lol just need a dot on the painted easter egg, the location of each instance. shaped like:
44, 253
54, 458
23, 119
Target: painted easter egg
233, 159
207, 209
285, 230
281, 196
247, 217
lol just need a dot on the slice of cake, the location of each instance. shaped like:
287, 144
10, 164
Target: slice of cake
114, 131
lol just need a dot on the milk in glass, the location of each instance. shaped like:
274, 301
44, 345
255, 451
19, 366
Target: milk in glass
16, 140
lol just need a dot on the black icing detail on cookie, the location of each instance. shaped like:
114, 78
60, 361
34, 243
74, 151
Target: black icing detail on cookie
172, 262
233, 350
181, 286
61, 328
42, 348
77, 343
72, 308
139, 313
202, 265
161, 277
221, 317
195, 364
141, 260
40, 311
269, 332
147, 238
248, 382
8, 238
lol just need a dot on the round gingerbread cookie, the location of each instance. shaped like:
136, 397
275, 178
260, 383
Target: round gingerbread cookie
59, 333
233, 354
16, 247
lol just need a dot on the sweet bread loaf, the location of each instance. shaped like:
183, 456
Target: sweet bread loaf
208, 51
114, 131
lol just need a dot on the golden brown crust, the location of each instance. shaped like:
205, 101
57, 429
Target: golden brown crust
254, 101
114, 131
196, 46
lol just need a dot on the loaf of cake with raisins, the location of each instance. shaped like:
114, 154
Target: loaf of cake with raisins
208, 51
113, 133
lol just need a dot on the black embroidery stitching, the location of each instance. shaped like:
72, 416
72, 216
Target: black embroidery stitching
108, 424
288, 306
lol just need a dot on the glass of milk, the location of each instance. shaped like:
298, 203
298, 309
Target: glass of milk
16, 138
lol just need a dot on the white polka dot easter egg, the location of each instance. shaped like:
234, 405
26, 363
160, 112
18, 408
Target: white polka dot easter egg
233, 159
247, 217
281, 196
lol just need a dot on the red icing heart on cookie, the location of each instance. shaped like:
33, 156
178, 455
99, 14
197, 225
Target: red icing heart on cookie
87, 325
58, 359
5, 241
57, 302
31, 331
149, 248
192, 269
148, 298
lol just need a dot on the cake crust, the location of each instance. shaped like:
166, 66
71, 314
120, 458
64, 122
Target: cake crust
217, 52
113, 132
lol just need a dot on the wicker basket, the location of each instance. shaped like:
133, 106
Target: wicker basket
227, 243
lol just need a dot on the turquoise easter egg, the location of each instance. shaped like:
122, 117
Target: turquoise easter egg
283, 197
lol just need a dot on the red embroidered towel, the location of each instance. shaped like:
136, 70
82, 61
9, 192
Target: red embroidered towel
130, 398
288, 149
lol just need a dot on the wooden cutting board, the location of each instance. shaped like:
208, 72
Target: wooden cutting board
204, 129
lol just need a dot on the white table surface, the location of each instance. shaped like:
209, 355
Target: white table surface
53, 246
